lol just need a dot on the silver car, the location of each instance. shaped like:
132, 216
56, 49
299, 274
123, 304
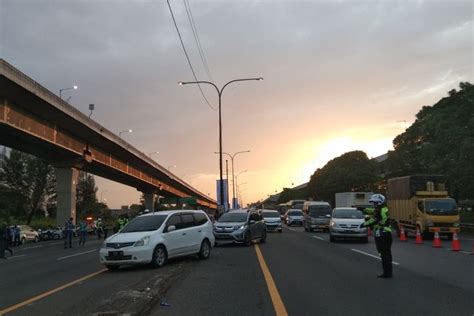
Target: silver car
272, 220
294, 217
240, 226
345, 223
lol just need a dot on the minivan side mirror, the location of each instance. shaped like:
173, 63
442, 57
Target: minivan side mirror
170, 228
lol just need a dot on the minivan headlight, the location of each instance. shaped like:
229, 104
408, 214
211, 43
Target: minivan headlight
142, 242
239, 227
333, 224
455, 224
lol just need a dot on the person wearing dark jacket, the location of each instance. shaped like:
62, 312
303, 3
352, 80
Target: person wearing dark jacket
68, 231
5, 241
380, 223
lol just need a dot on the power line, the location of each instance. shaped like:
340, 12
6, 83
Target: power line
187, 56
196, 38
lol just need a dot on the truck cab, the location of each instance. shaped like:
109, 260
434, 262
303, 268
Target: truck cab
437, 214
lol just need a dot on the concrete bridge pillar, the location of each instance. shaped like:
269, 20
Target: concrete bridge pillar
66, 181
149, 201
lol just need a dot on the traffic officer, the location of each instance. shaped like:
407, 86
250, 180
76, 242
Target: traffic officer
380, 224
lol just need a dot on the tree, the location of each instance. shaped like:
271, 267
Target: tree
86, 196
440, 141
353, 171
28, 179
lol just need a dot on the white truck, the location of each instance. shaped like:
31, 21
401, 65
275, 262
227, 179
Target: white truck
353, 199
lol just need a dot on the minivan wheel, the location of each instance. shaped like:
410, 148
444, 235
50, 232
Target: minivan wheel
112, 267
205, 250
159, 257
263, 239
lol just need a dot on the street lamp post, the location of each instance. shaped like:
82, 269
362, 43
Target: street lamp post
65, 89
127, 131
219, 92
101, 194
233, 177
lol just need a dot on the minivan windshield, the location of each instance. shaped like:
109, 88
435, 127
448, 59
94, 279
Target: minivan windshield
355, 214
319, 210
441, 207
270, 214
295, 213
144, 224
233, 217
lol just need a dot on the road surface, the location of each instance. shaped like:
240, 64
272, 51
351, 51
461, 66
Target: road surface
296, 272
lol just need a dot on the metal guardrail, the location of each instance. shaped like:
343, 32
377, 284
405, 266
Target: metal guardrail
466, 225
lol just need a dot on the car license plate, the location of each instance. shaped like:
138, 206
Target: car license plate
115, 253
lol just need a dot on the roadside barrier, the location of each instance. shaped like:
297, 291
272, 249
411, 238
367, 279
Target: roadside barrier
436, 240
418, 239
403, 236
455, 245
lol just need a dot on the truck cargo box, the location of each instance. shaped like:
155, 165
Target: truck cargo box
405, 187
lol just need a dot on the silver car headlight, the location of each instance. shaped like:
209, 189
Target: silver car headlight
239, 227
333, 224
142, 242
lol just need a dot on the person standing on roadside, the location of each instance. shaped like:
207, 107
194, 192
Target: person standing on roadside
68, 230
100, 228
17, 231
383, 233
4, 241
82, 232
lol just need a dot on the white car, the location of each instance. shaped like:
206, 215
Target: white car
28, 234
345, 223
154, 238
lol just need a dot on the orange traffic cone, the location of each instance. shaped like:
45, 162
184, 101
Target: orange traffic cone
403, 237
418, 239
455, 245
436, 240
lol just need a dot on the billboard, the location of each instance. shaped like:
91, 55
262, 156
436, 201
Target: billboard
223, 187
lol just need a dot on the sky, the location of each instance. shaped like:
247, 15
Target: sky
338, 76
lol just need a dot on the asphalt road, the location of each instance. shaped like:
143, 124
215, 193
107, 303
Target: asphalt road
310, 276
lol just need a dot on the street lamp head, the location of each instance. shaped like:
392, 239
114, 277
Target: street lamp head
180, 83
130, 131
74, 87
260, 79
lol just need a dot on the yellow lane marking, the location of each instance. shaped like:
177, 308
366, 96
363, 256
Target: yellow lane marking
278, 305
43, 295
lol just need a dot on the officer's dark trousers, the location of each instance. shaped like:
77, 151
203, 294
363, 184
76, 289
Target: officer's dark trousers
384, 247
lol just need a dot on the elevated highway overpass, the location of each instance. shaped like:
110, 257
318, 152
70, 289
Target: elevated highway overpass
36, 121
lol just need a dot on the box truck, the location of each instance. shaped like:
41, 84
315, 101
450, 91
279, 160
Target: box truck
423, 202
353, 199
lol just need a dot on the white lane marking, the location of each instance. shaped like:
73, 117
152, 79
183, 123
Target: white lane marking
77, 254
466, 252
464, 238
14, 257
292, 229
320, 238
32, 247
371, 255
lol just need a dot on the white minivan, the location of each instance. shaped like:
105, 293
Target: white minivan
156, 237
